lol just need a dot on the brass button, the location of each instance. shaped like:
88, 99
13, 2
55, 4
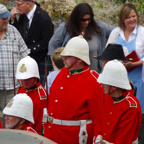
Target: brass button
108, 123
51, 114
33, 41
68, 76
83, 133
61, 88
114, 102
38, 45
34, 48
49, 127
110, 113
104, 134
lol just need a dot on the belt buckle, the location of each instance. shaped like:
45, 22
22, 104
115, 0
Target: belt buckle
50, 120
102, 142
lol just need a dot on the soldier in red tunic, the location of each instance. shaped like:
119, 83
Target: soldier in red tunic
19, 112
76, 98
28, 74
121, 116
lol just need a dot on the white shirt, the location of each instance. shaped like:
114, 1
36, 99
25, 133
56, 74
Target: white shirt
139, 39
31, 14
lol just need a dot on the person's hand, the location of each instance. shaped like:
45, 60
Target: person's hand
14, 12
128, 64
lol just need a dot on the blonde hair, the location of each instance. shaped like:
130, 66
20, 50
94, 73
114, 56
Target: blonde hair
57, 58
125, 12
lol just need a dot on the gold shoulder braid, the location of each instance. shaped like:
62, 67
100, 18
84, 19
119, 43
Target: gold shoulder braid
23, 68
10, 103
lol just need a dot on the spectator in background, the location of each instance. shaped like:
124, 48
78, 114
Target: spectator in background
36, 28
12, 49
57, 59
81, 22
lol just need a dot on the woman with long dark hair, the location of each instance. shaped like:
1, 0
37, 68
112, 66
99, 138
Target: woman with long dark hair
81, 22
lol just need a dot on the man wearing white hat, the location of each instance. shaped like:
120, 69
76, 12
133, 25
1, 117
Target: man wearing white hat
76, 98
28, 74
12, 49
121, 117
19, 112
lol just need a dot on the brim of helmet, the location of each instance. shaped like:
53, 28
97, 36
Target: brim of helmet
112, 58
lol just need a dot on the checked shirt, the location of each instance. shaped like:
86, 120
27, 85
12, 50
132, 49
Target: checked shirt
12, 45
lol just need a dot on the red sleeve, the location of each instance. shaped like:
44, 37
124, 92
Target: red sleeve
96, 104
129, 126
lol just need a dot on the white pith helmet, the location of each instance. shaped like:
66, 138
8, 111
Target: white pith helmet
115, 74
77, 47
20, 106
27, 68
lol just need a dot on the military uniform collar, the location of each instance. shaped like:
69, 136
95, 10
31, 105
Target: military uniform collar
78, 70
33, 88
119, 98
23, 127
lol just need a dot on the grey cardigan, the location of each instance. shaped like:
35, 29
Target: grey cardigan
60, 37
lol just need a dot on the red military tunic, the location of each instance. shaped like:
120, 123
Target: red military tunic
121, 119
38, 96
27, 128
74, 96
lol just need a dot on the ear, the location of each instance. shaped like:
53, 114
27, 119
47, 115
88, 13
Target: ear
22, 121
114, 88
79, 60
28, 3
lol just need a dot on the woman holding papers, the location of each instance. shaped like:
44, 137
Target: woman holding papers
130, 36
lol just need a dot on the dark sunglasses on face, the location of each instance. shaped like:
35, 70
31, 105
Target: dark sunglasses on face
84, 20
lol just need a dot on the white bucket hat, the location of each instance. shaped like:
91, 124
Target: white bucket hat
4, 13
21, 106
115, 74
27, 68
77, 47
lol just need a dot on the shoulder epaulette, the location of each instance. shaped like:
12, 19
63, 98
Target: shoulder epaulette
42, 93
31, 130
94, 74
132, 102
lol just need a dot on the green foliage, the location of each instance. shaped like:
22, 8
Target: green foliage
138, 3
140, 6
100, 4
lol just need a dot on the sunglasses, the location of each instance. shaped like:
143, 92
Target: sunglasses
84, 20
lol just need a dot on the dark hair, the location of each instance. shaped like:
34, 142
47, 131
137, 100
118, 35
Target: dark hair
125, 12
73, 22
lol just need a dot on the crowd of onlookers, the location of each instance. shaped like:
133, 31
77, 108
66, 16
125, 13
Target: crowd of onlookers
82, 84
